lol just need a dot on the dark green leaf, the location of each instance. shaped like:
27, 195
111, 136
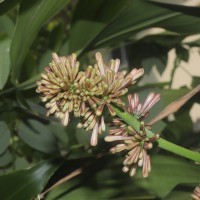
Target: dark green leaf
98, 11
101, 180
182, 53
4, 136
25, 184
30, 83
32, 15
195, 81
167, 172
45, 60
181, 192
5, 158
7, 5
4, 61
130, 21
153, 15
38, 136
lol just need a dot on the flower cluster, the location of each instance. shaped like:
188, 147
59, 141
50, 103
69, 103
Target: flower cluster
66, 90
134, 143
196, 193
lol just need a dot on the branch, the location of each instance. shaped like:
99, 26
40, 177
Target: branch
61, 181
174, 106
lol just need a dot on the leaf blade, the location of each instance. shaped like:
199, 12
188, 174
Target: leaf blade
31, 18
30, 182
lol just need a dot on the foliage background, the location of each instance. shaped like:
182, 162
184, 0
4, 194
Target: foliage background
36, 151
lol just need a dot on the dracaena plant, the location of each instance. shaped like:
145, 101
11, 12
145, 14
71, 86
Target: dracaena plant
68, 92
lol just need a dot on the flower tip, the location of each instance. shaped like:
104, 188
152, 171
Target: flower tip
145, 175
79, 125
93, 143
98, 55
125, 169
55, 57
65, 119
136, 73
132, 172
94, 137
107, 139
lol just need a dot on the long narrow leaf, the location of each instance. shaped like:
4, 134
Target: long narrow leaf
32, 15
141, 15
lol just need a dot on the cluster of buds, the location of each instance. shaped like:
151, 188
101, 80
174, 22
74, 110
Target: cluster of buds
66, 90
196, 193
134, 143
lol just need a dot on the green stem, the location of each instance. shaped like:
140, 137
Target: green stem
28, 84
162, 143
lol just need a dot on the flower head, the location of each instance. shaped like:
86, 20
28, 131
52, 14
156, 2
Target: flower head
110, 85
135, 145
196, 193
67, 91
114, 83
59, 87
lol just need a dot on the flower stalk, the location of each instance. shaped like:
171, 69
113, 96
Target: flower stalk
162, 143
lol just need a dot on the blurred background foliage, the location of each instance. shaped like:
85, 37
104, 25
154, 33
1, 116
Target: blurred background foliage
36, 151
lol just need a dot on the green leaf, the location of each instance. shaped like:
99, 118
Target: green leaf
108, 10
45, 59
182, 53
38, 136
87, 22
167, 172
31, 17
26, 184
169, 95
4, 136
181, 192
4, 61
7, 26
101, 179
195, 81
30, 83
130, 21
7, 5
5, 158
88, 30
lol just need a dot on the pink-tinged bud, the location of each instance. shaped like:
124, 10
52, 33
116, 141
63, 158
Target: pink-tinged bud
94, 137
65, 119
